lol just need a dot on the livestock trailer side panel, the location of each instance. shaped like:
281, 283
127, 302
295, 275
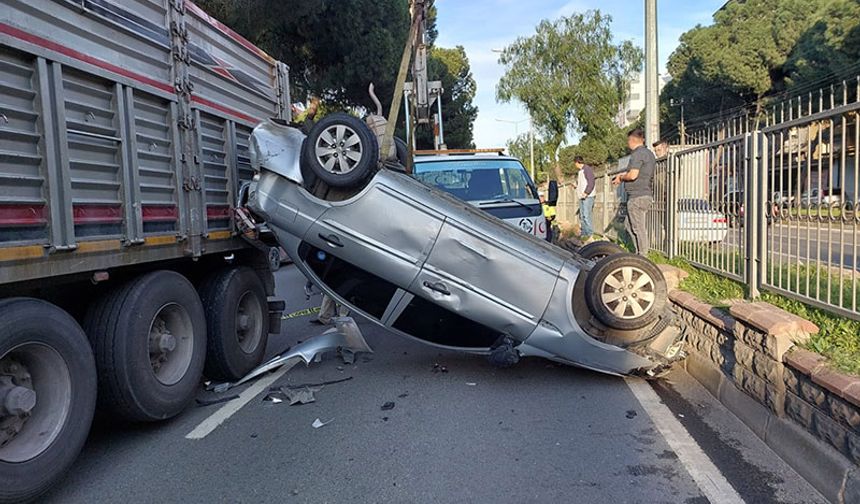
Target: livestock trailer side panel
124, 132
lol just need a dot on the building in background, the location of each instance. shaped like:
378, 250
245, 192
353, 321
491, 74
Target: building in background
633, 106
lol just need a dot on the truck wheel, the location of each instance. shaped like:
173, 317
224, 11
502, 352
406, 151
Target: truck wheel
596, 251
626, 292
149, 338
341, 150
402, 149
237, 319
47, 396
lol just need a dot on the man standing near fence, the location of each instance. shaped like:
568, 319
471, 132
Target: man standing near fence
638, 181
585, 195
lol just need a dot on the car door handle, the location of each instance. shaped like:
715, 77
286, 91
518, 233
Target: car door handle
332, 240
438, 287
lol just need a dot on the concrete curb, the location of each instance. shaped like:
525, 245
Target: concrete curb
827, 470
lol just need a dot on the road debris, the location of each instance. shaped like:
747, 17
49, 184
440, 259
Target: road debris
438, 368
344, 338
319, 423
405, 394
631, 414
471, 384
388, 406
275, 397
209, 401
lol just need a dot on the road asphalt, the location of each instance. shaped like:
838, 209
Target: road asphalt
538, 432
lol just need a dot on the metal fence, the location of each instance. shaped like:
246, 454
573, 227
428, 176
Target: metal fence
771, 203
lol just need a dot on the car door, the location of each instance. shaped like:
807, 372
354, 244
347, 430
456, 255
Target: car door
370, 248
490, 274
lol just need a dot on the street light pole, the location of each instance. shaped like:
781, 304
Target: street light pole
652, 87
531, 139
532, 148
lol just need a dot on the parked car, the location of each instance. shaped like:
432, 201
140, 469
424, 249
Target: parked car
497, 184
816, 198
426, 265
699, 222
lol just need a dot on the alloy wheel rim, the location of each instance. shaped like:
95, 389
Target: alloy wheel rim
339, 149
628, 292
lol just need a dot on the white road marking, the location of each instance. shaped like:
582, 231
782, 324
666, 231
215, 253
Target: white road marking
211, 423
709, 479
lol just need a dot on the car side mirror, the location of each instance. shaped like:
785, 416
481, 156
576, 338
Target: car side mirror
552, 193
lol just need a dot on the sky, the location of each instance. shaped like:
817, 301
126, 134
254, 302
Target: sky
484, 25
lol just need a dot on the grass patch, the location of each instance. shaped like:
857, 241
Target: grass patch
838, 339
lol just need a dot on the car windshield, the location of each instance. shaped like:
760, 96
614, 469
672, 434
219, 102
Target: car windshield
478, 179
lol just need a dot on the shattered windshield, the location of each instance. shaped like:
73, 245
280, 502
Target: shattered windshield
478, 179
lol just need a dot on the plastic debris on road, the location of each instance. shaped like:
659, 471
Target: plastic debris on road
345, 338
388, 406
319, 423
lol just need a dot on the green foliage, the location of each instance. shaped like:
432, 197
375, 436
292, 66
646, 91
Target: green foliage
759, 49
569, 75
451, 66
597, 149
519, 148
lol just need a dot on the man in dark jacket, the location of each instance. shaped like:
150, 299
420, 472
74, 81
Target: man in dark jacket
638, 182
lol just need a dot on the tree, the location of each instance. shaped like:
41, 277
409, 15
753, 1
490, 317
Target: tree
334, 48
759, 49
829, 49
570, 75
451, 66
520, 148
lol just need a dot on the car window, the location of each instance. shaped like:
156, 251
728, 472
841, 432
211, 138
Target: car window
477, 179
364, 290
430, 322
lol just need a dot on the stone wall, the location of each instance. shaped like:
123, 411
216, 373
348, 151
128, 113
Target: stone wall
750, 358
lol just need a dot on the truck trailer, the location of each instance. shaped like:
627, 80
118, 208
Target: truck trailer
124, 278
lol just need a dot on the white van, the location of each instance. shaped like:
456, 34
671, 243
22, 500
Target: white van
497, 184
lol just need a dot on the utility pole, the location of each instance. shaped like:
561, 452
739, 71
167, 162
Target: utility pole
532, 148
682, 126
652, 86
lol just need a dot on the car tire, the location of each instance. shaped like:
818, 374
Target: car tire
237, 322
598, 250
50, 352
143, 378
402, 151
626, 292
341, 150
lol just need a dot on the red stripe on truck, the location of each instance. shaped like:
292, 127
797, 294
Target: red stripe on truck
218, 212
156, 213
97, 214
47, 44
23, 215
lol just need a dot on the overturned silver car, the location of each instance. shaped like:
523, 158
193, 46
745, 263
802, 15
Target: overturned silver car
429, 266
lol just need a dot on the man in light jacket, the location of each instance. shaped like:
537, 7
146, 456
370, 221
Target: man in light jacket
585, 194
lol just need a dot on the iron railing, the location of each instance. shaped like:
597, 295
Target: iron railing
772, 203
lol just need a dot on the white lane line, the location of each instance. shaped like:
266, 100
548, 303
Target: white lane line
211, 423
709, 479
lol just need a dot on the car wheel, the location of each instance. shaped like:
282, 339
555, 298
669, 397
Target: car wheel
626, 292
341, 150
149, 338
237, 322
48, 393
596, 251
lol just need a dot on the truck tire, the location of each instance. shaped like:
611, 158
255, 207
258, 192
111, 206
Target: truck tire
598, 250
237, 318
626, 292
46, 368
149, 338
402, 149
341, 150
